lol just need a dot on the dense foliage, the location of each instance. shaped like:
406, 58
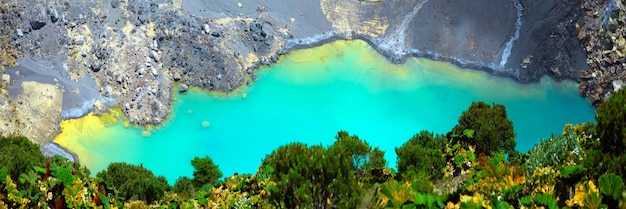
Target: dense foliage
364, 157
424, 152
611, 117
18, 154
319, 177
132, 182
493, 129
206, 172
571, 170
184, 187
312, 177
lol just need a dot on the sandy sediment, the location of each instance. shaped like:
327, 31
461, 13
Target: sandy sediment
35, 112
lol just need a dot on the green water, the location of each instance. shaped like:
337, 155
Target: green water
311, 94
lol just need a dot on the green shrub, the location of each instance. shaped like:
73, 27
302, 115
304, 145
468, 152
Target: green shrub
312, 177
498, 203
611, 185
422, 153
427, 201
535, 201
556, 151
611, 118
184, 187
493, 129
394, 194
364, 158
133, 182
205, 172
19, 155
572, 174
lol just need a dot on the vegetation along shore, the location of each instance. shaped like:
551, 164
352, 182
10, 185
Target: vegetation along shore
62, 59
474, 165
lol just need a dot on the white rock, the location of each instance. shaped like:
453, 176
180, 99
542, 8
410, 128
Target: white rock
6, 78
617, 85
155, 56
206, 28
108, 90
20, 33
97, 105
239, 5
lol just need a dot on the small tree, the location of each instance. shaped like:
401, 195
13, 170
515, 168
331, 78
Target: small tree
422, 153
133, 182
493, 129
313, 177
611, 118
376, 160
364, 158
184, 187
19, 155
206, 172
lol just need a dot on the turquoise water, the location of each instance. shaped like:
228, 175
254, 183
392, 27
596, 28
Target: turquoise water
310, 95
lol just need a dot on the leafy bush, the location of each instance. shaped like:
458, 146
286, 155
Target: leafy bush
184, 187
493, 129
459, 153
572, 174
133, 182
422, 153
19, 155
205, 172
611, 185
364, 158
394, 194
535, 201
496, 177
611, 122
312, 177
557, 150
427, 201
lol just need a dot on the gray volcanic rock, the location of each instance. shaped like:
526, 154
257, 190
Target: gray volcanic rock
472, 32
604, 36
183, 88
549, 39
308, 16
195, 56
127, 53
489, 34
115, 4
39, 17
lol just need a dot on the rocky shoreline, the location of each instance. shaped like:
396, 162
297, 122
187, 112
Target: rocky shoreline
128, 53
603, 34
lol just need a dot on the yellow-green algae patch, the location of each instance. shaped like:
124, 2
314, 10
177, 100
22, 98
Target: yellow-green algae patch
307, 97
75, 132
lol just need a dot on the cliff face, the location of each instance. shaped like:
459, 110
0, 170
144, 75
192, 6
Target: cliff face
520, 39
129, 52
547, 43
603, 34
